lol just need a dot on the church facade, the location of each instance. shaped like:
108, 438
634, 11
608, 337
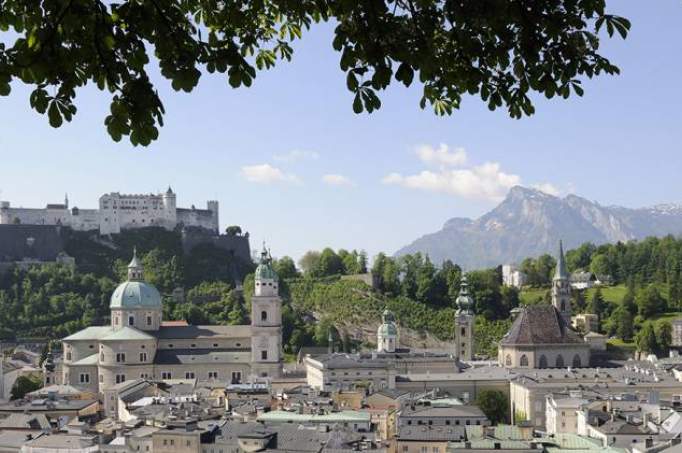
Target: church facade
138, 344
541, 335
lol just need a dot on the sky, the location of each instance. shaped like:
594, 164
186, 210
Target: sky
291, 163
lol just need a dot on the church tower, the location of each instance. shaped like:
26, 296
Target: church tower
561, 288
387, 334
266, 321
464, 323
49, 376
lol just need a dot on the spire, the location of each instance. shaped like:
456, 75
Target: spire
169, 191
135, 268
561, 272
66, 200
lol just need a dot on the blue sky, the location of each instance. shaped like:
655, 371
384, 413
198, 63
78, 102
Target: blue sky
263, 152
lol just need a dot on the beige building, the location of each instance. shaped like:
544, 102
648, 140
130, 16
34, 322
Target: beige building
138, 345
541, 335
561, 413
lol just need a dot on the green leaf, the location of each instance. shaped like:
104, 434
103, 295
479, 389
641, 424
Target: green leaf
53, 115
357, 103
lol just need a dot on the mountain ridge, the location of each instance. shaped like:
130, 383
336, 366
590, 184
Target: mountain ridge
529, 222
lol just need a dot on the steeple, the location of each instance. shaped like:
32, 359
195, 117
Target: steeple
66, 201
464, 302
135, 268
561, 272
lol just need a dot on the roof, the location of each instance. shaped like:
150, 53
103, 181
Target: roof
501, 432
200, 356
561, 271
288, 437
127, 333
444, 411
89, 360
90, 333
332, 417
540, 324
14, 440
25, 421
189, 332
135, 294
264, 271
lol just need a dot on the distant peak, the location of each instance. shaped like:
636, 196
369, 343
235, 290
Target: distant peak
523, 192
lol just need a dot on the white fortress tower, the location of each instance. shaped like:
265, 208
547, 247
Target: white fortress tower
464, 323
561, 287
266, 321
387, 334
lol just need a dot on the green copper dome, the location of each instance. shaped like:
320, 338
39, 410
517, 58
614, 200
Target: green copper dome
387, 327
135, 294
264, 271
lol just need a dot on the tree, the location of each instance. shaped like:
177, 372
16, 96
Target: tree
233, 230
329, 264
664, 336
500, 51
645, 340
24, 385
285, 268
309, 261
649, 301
494, 405
596, 305
624, 323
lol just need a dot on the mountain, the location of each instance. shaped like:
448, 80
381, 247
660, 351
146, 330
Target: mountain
530, 222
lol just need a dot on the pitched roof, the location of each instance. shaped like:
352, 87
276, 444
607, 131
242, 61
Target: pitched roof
90, 333
189, 332
127, 333
540, 324
200, 356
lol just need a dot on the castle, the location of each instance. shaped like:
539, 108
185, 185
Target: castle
139, 344
117, 212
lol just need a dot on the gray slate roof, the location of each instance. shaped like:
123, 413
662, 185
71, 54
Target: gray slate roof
540, 324
191, 332
200, 356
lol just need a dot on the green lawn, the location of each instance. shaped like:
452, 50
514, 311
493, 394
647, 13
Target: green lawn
531, 295
611, 293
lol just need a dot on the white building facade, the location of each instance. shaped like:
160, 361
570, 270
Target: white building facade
117, 212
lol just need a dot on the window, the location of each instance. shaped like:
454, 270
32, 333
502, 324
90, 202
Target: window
149, 320
236, 377
464, 331
447, 422
101, 357
101, 378
576, 361
264, 355
215, 345
131, 320
84, 378
121, 357
559, 361
524, 360
213, 375
68, 355
189, 375
543, 361
143, 356
193, 345
120, 378
263, 315
166, 375
507, 360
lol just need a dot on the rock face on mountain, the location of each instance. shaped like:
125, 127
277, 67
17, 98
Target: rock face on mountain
530, 222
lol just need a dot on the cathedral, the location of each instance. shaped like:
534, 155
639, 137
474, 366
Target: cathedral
139, 344
541, 335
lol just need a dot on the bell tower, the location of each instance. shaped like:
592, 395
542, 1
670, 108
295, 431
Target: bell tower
266, 321
561, 288
464, 323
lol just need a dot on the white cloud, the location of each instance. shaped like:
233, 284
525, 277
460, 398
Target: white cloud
485, 182
267, 174
547, 188
295, 155
337, 180
441, 155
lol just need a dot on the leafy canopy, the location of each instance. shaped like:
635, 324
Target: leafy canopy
500, 50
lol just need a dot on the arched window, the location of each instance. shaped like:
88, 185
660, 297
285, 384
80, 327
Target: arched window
543, 361
263, 315
576, 361
524, 360
507, 360
464, 331
559, 361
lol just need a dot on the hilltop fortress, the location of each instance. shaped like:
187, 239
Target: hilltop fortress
117, 212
